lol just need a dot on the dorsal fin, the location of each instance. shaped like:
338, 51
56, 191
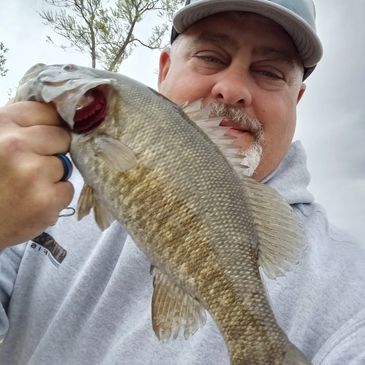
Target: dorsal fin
280, 235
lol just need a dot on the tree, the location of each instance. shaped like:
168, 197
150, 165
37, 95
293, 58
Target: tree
3, 50
108, 33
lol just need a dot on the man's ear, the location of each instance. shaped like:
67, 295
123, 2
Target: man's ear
301, 92
164, 66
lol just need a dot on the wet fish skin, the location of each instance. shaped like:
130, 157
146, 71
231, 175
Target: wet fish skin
205, 230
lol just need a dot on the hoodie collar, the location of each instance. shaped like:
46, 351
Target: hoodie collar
291, 178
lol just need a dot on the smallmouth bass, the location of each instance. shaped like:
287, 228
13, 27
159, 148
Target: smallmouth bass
205, 230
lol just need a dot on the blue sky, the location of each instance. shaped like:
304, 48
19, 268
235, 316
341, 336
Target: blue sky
331, 115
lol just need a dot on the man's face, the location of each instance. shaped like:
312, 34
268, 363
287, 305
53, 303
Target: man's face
245, 61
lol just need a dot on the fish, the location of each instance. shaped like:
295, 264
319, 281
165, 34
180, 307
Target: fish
208, 232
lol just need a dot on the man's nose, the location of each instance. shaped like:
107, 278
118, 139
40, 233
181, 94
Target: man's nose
233, 87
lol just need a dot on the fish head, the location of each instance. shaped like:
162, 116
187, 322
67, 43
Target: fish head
80, 94
89, 102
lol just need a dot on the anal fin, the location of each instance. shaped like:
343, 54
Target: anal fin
173, 310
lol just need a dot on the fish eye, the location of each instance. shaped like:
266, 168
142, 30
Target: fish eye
70, 67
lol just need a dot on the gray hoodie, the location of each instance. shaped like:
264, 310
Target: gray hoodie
91, 304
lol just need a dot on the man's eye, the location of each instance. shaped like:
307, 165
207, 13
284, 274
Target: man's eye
271, 74
210, 59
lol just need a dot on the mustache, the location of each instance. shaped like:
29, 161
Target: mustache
239, 115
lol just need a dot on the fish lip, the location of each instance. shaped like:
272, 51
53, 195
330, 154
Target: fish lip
93, 114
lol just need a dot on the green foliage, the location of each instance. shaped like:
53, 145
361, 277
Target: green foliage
3, 50
108, 32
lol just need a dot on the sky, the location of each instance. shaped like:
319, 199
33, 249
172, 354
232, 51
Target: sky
331, 115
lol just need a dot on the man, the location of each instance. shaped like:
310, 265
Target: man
92, 306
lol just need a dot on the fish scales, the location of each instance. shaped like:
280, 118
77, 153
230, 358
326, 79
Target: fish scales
182, 203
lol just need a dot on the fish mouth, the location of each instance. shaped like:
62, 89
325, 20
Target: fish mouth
91, 111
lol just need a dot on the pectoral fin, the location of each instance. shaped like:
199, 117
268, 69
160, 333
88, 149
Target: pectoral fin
88, 201
116, 153
173, 310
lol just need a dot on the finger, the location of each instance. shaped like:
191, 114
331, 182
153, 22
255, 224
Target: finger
28, 170
40, 140
64, 192
67, 166
28, 113
29, 202
45, 140
53, 168
54, 199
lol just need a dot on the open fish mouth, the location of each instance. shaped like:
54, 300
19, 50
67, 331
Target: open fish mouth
91, 111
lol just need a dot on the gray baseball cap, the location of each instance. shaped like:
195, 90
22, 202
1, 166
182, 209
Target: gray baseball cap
297, 17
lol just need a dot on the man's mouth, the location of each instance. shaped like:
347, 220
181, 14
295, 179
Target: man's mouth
246, 140
231, 123
235, 129
240, 127
91, 113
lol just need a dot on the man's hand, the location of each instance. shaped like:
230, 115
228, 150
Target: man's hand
31, 193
